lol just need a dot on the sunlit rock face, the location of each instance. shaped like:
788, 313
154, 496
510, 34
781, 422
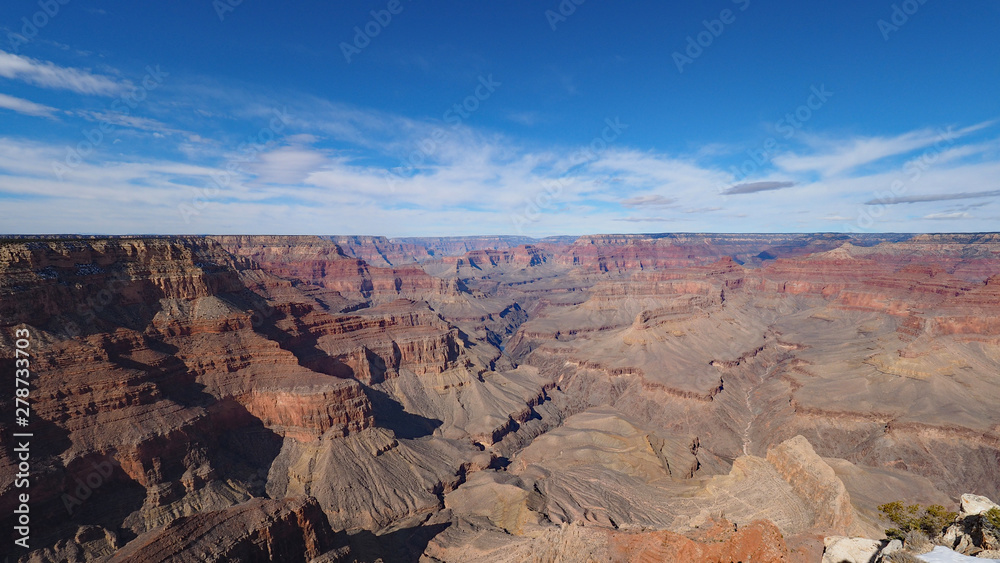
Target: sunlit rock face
498, 399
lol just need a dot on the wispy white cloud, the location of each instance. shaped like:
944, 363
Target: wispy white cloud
649, 201
49, 75
754, 187
646, 219
947, 216
122, 119
26, 107
933, 197
833, 157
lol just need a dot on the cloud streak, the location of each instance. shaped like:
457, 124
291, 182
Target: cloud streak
26, 107
48, 75
932, 197
649, 201
646, 219
754, 187
947, 216
831, 158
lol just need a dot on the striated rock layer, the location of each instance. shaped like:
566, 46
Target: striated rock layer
257, 530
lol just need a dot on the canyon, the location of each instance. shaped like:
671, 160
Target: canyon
674, 397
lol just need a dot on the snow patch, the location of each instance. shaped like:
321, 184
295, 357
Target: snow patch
944, 555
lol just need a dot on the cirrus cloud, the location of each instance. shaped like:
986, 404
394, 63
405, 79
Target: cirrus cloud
754, 187
26, 107
49, 75
932, 197
649, 201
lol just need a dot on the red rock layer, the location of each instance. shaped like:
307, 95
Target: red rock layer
927, 296
69, 283
374, 343
324, 264
630, 253
380, 251
720, 542
522, 256
457, 246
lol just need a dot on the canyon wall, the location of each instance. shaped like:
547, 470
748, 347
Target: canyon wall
359, 397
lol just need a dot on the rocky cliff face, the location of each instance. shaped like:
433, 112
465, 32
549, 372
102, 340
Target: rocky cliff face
522, 256
814, 479
456, 246
257, 530
380, 251
630, 253
158, 391
354, 397
196, 380
323, 263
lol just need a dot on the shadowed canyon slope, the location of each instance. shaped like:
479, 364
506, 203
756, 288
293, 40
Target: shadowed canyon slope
611, 397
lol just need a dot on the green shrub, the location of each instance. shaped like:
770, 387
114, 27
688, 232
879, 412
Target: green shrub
931, 520
992, 518
935, 519
903, 516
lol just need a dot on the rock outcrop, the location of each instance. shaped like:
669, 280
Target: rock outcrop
380, 251
324, 264
974, 505
813, 479
257, 530
976, 530
839, 549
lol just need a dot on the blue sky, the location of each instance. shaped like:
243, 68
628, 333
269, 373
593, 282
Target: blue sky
404, 118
